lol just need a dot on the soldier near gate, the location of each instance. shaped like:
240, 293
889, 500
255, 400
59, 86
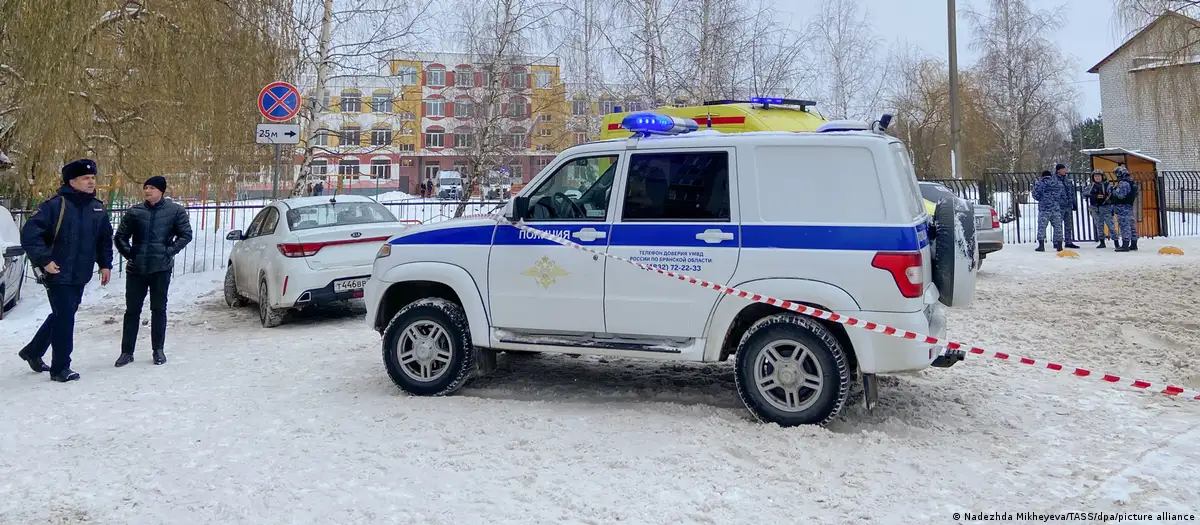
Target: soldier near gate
1124, 194
68, 236
1069, 205
1049, 194
1100, 198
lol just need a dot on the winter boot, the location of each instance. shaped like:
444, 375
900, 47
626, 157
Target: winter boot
1041, 246
1133, 245
159, 357
1071, 245
1101, 245
123, 360
1058, 247
65, 376
1122, 246
35, 363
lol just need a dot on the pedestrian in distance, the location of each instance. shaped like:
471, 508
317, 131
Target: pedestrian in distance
1069, 205
1102, 209
1124, 195
65, 238
149, 236
1048, 193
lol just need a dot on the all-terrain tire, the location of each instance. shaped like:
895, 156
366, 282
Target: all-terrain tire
825, 351
269, 317
232, 297
451, 319
954, 252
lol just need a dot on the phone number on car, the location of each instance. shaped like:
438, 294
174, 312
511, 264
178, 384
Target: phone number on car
677, 267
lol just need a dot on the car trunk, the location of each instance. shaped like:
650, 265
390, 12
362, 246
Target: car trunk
983, 218
343, 246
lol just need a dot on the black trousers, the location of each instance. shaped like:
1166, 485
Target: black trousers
58, 330
136, 286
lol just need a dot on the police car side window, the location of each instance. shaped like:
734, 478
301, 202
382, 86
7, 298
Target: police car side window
692, 186
577, 191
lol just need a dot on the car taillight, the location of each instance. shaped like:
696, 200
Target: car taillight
905, 269
995, 219
309, 249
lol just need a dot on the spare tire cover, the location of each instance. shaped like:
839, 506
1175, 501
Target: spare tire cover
954, 252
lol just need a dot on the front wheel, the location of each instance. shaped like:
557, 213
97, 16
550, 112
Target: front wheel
232, 297
791, 370
427, 348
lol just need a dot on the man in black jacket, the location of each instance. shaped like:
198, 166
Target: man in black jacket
66, 238
149, 236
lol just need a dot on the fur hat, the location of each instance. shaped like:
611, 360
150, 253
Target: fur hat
78, 168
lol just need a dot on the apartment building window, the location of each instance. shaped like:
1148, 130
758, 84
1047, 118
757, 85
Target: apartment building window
351, 102
464, 138
320, 167
544, 132
543, 147
351, 137
381, 137
435, 138
381, 169
435, 107
464, 108
579, 107
435, 77
348, 167
326, 103
542, 79
606, 105
488, 78
515, 171
580, 137
464, 77
381, 101
321, 137
518, 78
633, 105
406, 148
407, 74
517, 107
544, 117
540, 163
515, 138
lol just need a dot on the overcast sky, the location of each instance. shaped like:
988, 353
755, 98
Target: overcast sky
1087, 37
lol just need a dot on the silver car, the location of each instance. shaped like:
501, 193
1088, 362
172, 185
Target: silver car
987, 222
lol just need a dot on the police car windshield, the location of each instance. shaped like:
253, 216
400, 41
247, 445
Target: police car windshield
337, 214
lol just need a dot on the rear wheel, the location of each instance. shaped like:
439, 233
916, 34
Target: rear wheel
270, 317
3, 305
791, 370
427, 348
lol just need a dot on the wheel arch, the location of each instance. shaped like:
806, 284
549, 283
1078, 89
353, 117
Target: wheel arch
412, 281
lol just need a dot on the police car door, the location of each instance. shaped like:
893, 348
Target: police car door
678, 212
535, 284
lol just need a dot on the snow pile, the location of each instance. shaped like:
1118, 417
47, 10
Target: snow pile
300, 424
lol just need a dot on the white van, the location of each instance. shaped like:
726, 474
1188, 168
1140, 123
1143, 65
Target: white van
830, 219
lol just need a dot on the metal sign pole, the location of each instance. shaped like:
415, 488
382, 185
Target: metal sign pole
275, 176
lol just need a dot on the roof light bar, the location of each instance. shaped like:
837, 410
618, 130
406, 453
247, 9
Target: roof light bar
648, 124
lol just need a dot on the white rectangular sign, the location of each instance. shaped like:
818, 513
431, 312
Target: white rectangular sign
277, 134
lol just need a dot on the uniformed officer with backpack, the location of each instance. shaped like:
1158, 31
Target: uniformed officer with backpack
1124, 195
65, 239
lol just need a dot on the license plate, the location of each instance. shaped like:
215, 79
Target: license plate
983, 223
349, 285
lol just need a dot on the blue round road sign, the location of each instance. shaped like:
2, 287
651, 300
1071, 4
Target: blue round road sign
279, 101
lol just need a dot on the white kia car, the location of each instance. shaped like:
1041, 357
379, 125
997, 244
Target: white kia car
305, 252
12, 266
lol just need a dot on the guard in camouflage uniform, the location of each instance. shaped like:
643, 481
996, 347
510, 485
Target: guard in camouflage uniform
1069, 205
1048, 192
1124, 194
1099, 197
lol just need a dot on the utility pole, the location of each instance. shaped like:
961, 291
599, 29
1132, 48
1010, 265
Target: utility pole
314, 103
955, 127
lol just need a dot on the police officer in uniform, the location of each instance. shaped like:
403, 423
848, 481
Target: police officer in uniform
66, 238
1049, 193
1124, 195
1102, 209
149, 236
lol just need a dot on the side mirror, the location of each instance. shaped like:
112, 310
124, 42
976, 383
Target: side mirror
520, 207
14, 251
235, 235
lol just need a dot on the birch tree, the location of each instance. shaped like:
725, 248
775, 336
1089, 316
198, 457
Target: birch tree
846, 43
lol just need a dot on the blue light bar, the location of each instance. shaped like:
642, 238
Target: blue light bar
766, 100
654, 124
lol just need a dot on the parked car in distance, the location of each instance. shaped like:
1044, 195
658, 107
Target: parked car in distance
306, 251
12, 262
987, 222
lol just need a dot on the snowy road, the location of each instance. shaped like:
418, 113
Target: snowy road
300, 424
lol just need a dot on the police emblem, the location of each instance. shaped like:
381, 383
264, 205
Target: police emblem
545, 272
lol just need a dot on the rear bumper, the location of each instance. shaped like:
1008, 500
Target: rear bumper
883, 354
990, 240
326, 294
307, 287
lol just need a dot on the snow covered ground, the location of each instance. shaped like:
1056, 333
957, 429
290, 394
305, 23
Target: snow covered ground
300, 424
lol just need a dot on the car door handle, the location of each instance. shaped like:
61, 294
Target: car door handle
714, 236
589, 234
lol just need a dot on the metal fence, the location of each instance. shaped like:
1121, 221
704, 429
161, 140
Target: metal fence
209, 250
1168, 203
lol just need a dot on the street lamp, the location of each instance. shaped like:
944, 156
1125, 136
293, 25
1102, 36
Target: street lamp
955, 129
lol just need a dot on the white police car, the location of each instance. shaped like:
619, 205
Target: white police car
832, 219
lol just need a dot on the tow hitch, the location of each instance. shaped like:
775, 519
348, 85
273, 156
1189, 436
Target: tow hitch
949, 359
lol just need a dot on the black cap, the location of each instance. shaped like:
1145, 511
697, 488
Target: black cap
78, 168
157, 181
1046, 173
1059, 167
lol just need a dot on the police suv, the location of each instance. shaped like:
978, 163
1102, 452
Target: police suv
833, 219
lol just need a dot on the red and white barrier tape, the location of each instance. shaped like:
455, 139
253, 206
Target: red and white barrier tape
1147, 386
